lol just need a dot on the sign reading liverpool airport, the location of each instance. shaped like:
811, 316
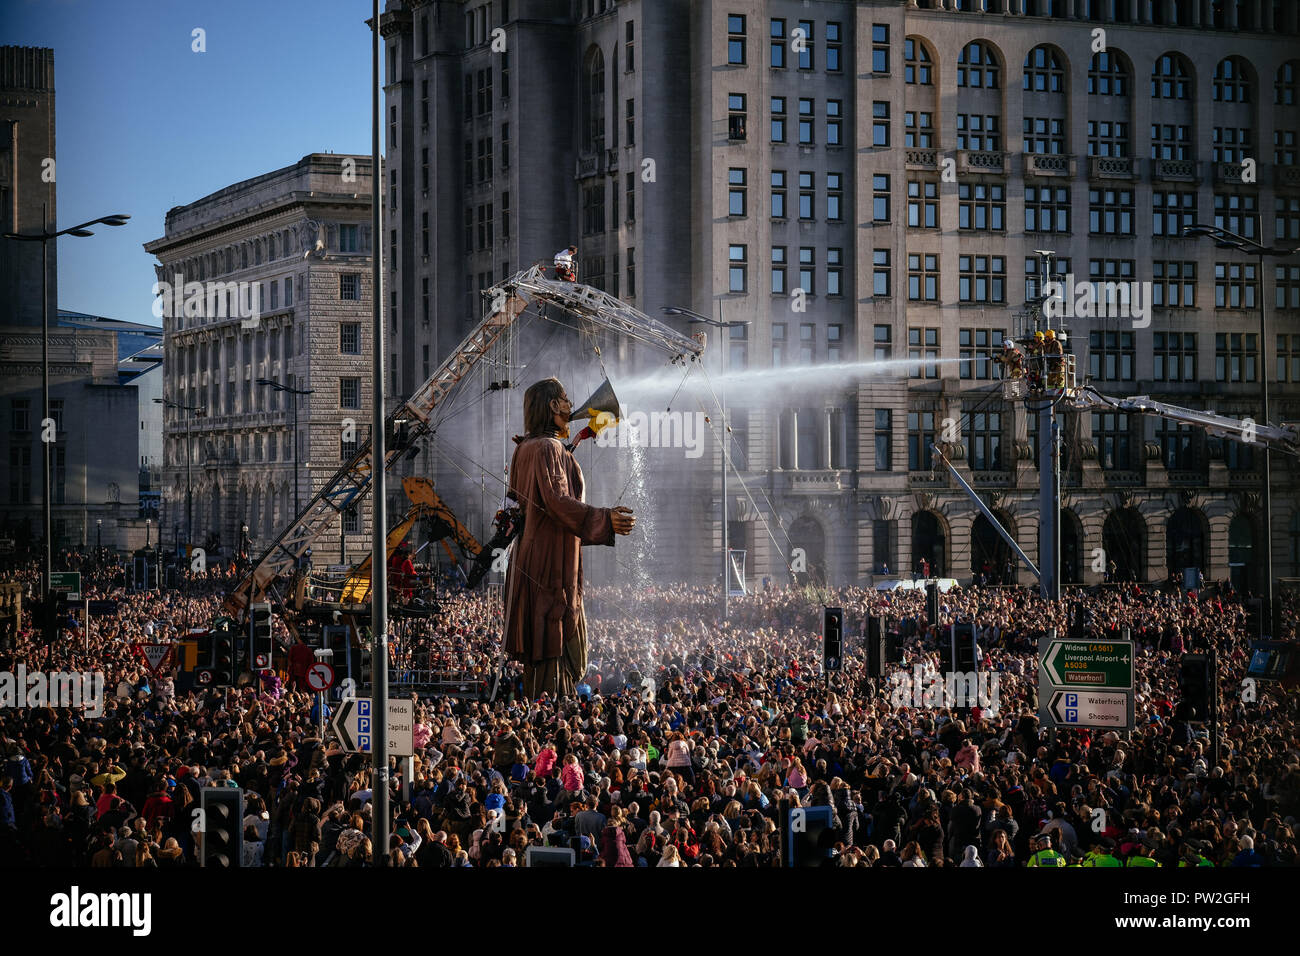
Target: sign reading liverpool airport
1096, 664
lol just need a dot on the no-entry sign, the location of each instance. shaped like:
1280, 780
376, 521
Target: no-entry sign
320, 677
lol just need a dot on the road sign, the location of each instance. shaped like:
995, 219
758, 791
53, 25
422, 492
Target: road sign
67, 583
320, 677
353, 723
157, 656
1093, 664
1111, 709
1085, 683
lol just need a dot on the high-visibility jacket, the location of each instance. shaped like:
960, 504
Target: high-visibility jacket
1101, 859
1141, 861
1046, 858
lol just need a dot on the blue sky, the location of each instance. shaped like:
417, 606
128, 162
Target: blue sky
145, 124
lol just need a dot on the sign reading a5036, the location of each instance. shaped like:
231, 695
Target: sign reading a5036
1091, 664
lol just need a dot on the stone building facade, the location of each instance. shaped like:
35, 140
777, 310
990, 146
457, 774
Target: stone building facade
282, 267
870, 182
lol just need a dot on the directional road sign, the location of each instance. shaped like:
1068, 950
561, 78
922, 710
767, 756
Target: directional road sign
67, 583
320, 677
353, 723
1111, 709
1093, 664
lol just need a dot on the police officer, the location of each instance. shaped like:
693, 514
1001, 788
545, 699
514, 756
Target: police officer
1103, 854
1045, 854
1144, 857
1193, 855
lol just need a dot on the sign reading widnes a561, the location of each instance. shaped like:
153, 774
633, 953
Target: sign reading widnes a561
1097, 664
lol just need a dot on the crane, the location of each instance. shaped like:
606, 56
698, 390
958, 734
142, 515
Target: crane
413, 418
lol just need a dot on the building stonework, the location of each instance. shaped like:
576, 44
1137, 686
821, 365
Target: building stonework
300, 237
901, 170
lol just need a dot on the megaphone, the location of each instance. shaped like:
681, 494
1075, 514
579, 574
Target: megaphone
601, 410
602, 399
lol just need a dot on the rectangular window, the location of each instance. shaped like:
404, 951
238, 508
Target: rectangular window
834, 47
1235, 356
882, 343
736, 39
834, 341
807, 340
922, 277
350, 338
1287, 287
1234, 285
1232, 144
20, 474
805, 52
1110, 280
923, 347
807, 116
1047, 209
629, 46
880, 197
1113, 436
349, 286
1175, 356
738, 268
918, 129
737, 116
1110, 212
1171, 211
1171, 141
920, 436
424, 102
629, 196
349, 393
834, 119
1286, 218
982, 278
593, 209
1173, 284
738, 358
982, 206
630, 121
778, 194
424, 300
1044, 135
880, 48
807, 196
880, 123
1107, 138
977, 350
351, 519
880, 272
777, 44
1236, 212
505, 74
834, 197
1288, 358
778, 119
778, 270
983, 438
288, 291
808, 269
631, 273
1060, 269
737, 192
884, 435
505, 145
922, 204
1284, 143
778, 345
978, 131
1111, 356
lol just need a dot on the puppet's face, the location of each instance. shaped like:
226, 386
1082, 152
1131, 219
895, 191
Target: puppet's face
561, 409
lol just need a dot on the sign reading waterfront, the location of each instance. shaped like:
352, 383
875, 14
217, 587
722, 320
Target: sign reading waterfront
1085, 683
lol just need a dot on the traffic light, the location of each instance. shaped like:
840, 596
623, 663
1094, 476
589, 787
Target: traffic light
1196, 681
833, 638
877, 654
224, 655
221, 827
259, 636
932, 603
965, 649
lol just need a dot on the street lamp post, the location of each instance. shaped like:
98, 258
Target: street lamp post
192, 410
295, 392
44, 237
724, 346
1224, 239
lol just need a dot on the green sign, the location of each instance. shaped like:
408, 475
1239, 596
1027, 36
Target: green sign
67, 582
1090, 664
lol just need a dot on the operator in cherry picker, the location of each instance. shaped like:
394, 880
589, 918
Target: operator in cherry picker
566, 265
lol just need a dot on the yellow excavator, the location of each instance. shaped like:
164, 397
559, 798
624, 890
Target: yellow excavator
445, 528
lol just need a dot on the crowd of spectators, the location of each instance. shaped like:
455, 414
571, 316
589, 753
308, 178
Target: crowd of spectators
687, 744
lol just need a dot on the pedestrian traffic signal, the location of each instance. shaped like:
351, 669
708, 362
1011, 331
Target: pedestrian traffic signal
1197, 685
833, 638
221, 827
877, 654
259, 636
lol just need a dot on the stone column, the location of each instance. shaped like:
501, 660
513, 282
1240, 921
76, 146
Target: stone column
794, 439
827, 456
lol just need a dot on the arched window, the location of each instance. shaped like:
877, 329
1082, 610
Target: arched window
270, 248
1171, 78
1232, 81
1044, 71
918, 65
978, 66
1108, 75
593, 100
